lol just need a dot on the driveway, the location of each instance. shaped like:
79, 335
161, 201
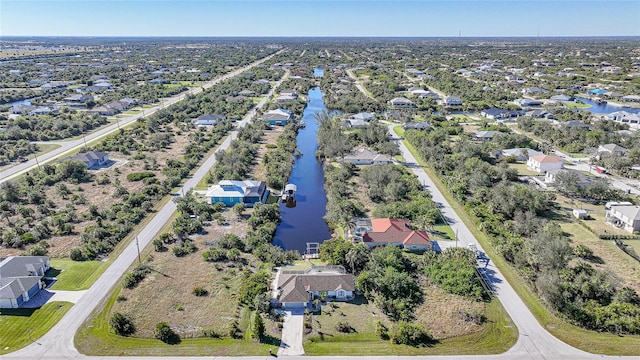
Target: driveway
292, 333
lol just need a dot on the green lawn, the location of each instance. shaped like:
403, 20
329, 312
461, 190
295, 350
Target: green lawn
443, 232
399, 130
522, 169
19, 326
75, 275
575, 105
591, 341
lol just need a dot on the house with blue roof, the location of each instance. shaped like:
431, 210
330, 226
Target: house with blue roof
231, 192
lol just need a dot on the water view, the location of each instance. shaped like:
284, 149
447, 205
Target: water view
305, 222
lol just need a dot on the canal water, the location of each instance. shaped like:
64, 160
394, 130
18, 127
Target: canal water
606, 108
305, 222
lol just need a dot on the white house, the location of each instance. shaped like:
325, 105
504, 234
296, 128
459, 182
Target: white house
21, 279
626, 217
544, 163
367, 157
624, 117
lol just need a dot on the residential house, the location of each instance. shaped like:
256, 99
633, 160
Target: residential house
544, 163
231, 192
208, 120
78, 98
612, 150
296, 291
521, 154
398, 232
247, 93
527, 102
540, 114
626, 217
422, 125
534, 91
401, 102
582, 179
291, 93
364, 156
278, 117
501, 114
631, 98
283, 99
364, 116
576, 124
624, 117
355, 123
158, 81
21, 279
562, 98
93, 159
485, 135
452, 101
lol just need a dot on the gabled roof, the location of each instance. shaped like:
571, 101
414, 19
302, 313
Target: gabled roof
296, 287
547, 159
613, 148
486, 134
88, 156
632, 212
234, 188
16, 266
388, 230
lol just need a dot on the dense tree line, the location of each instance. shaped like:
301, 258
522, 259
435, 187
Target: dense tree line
278, 162
514, 217
67, 123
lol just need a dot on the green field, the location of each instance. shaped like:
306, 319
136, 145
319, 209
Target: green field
19, 326
75, 275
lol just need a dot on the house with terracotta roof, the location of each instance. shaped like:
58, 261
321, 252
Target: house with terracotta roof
544, 163
297, 290
398, 232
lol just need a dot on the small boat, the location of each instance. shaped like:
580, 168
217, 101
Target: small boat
288, 195
302, 124
599, 101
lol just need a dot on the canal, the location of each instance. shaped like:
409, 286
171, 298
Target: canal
305, 222
605, 108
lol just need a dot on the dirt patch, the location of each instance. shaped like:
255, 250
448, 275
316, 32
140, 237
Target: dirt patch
166, 294
270, 137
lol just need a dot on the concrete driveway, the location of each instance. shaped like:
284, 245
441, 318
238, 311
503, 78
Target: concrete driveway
292, 333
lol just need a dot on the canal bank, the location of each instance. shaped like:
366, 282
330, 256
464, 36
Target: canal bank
305, 223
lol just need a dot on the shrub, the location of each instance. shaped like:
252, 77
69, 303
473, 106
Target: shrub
200, 291
344, 327
121, 298
165, 333
135, 276
212, 333
411, 334
76, 255
582, 251
257, 327
140, 176
474, 316
121, 324
382, 331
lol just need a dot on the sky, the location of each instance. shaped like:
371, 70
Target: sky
420, 18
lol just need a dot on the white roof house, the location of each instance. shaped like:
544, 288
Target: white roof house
544, 163
624, 117
626, 217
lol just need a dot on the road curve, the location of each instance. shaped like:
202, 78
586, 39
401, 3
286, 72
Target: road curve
66, 147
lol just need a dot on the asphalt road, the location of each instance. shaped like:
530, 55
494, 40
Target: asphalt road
67, 147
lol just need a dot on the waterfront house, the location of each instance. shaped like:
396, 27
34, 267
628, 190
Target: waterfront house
296, 290
367, 157
278, 117
231, 192
388, 231
21, 279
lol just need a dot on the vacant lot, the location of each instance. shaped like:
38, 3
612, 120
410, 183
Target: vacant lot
270, 137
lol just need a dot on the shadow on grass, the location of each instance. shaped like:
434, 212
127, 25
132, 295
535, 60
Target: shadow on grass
52, 272
270, 340
174, 339
17, 312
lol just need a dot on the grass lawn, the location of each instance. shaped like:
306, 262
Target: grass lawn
575, 105
591, 341
19, 326
443, 232
496, 336
305, 264
399, 130
75, 275
522, 169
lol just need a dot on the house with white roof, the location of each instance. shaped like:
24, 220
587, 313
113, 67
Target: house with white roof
231, 192
544, 163
625, 217
624, 117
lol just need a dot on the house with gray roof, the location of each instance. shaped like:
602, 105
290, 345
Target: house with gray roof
21, 279
93, 159
521, 154
297, 290
624, 117
612, 150
420, 125
625, 217
485, 135
364, 156
401, 102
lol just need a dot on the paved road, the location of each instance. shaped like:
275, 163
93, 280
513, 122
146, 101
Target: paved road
534, 341
58, 342
67, 147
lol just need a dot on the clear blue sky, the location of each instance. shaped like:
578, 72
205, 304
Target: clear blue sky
319, 18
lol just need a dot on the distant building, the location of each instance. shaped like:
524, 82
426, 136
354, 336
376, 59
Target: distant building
401, 102
208, 120
367, 157
93, 159
612, 150
421, 125
452, 101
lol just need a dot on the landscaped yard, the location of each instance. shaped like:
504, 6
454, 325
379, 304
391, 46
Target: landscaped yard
19, 326
438, 314
75, 275
442, 232
522, 169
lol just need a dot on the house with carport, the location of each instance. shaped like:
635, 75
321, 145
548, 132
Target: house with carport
296, 290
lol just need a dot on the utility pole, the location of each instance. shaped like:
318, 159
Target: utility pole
138, 246
35, 155
456, 237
